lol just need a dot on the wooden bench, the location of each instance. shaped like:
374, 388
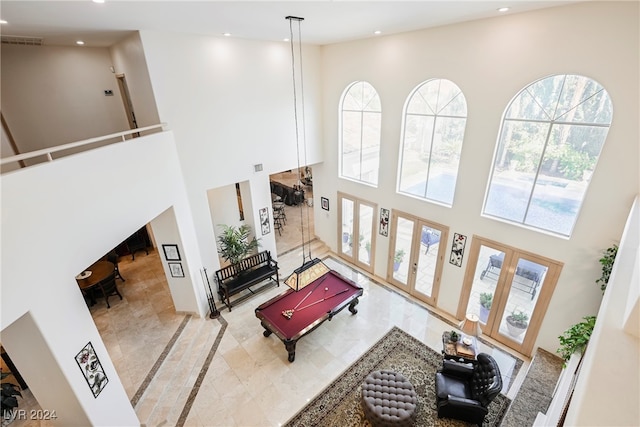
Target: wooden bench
238, 277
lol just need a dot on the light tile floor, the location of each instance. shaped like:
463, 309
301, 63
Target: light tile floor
224, 372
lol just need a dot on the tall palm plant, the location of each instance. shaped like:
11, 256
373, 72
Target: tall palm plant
234, 243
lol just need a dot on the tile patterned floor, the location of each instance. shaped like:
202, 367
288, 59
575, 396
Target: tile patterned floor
224, 372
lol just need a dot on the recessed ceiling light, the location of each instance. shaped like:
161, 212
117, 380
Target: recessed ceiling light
226, 34
285, 39
503, 9
2, 21
377, 32
98, 1
79, 42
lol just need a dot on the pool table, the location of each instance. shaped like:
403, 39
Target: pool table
292, 315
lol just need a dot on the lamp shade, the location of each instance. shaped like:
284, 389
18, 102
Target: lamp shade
470, 325
306, 274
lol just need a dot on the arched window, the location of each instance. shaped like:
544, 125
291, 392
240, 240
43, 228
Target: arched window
360, 133
551, 137
435, 117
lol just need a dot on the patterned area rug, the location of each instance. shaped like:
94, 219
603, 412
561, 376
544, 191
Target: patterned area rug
338, 404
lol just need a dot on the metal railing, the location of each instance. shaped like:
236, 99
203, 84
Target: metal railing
51, 150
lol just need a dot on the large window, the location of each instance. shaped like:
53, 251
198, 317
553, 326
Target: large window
360, 142
551, 137
434, 122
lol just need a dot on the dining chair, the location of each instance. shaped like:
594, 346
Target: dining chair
113, 258
108, 287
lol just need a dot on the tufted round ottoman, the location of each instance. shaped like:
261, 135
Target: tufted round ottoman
388, 399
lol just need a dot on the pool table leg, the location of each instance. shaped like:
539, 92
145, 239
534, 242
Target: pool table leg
352, 306
291, 349
266, 331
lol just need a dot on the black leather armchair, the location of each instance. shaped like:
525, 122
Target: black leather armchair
464, 391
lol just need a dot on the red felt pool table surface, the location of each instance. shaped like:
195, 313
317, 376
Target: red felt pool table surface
310, 313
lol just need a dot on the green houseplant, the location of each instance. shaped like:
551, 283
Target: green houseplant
517, 322
234, 243
575, 339
398, 258
607, 260
9, 400
486, 300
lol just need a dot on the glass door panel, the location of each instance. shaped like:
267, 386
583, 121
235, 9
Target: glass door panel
509, 290
365, 227
427, 260
524, 291
484, 283
347, 227
356, 233
404, 237
418, 253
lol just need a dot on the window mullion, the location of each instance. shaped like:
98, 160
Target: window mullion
535, 178
361, 142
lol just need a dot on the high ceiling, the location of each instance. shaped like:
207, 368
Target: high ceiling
326, 21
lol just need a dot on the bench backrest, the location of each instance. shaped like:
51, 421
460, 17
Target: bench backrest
248, 263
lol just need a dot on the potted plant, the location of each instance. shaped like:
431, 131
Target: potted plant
575, 339
517, 322
367, 246
234, 243
454, 336
9, 400
397, 259
607, 260
486, 300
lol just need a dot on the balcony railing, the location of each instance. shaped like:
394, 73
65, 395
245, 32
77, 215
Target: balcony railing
48, 152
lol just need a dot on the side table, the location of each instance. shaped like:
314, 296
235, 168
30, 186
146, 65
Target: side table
458, 350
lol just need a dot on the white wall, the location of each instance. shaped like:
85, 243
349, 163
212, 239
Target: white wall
52, 95
128, 59
64, 231
491, 60
230, 105
608, 389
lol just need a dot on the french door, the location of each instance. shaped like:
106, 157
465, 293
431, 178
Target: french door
509, 289
416, 257
356, 235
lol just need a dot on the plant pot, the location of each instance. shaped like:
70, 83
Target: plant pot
515, 330
396, 266
484, 314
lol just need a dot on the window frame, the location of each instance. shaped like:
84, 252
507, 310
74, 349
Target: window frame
435, 115
341, 127
552, 123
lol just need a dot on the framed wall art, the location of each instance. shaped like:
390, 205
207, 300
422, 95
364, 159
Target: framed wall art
324, 202
457, 249
384, 222
176, 269
91, 368
171, 252
264, 221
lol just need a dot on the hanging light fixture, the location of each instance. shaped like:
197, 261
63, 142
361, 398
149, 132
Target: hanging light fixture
312, 268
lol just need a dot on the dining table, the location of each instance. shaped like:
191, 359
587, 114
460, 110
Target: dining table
88, 280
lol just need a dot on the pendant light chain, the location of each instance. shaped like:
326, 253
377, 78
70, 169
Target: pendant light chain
304, 137
295, 115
